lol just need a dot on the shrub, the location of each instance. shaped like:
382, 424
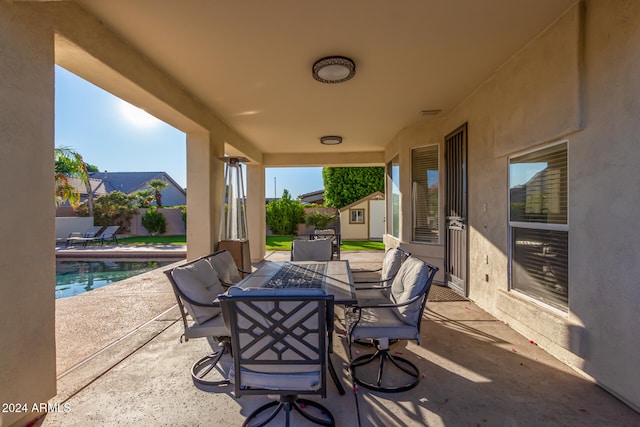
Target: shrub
284, 215
184, 216
154, 221
318, 219
115, 208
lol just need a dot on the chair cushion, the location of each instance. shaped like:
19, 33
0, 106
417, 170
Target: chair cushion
408, 283
225, 267
300, 381
391, 264
312, 250
199, 282
379, 323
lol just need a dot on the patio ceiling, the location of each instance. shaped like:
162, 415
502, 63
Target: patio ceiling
250, 61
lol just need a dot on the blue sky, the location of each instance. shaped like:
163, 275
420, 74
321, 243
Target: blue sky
118, 137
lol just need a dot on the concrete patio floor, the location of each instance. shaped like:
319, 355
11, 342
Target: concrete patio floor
120, 362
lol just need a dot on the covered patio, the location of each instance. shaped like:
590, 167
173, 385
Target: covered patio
476, 370
508, 130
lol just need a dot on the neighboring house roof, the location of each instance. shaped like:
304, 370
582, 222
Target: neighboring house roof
128, 182
97, 186
313, 197
376, 195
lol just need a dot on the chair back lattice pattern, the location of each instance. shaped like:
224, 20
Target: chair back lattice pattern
279, 339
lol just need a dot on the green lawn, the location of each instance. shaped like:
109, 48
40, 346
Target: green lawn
283, 243
154, 240
274, 243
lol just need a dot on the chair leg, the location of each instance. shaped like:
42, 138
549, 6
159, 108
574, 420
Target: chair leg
203, 366
329, 422
334, 377
383, 354
289, 403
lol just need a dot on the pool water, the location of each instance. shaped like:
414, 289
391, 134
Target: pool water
77, 277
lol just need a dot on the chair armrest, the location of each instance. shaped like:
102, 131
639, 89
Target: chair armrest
367, 271
389, 305
225, 284
374, 282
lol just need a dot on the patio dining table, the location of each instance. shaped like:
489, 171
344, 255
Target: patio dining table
334, 277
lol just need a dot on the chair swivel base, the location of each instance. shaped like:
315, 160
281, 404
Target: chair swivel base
288, 403
203, 366
399, 362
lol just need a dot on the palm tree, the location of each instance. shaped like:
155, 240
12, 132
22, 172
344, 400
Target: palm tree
65, 191
158, 185
68, 163
144, 197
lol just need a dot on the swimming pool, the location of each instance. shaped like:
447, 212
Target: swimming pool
77, 277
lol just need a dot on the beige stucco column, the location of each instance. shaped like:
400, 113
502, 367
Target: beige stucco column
256, 211
27, 225
205, 180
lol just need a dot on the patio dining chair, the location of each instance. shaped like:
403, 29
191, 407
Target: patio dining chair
397, 318
330, 234
393, 259
280, 341
196, 286
312, 250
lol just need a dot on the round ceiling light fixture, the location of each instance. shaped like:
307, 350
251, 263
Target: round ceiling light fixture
331, 140
334, 69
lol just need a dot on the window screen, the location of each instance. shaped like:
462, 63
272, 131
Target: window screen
393, 202
425, 194
539, 230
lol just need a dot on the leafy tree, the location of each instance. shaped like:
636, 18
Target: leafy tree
115, 208
69, 163
318, 219
144, 198
284, 215
157, 185
154, 221
343, 186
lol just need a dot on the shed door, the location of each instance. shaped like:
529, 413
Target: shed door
456, 210
376, 219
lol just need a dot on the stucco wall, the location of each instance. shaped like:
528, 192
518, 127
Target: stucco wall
27, 260
577, 82
603, 162
173, 217
67, 225
354, 231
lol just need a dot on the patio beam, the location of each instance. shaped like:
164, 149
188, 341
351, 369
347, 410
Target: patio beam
369, 158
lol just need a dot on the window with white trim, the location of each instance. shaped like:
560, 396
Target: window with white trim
538, 225
425, 194
356, 216
393, 202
